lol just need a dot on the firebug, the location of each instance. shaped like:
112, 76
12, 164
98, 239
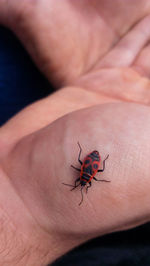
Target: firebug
89, 168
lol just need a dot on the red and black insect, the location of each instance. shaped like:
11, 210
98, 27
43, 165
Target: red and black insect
89, 168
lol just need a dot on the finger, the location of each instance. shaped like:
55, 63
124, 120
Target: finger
127, 49
41, 162
118, 84
142, 64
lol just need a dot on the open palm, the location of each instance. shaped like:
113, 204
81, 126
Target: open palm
99, 53
99, 50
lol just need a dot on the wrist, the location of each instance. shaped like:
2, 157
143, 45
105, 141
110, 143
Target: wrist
20, 236
34, 243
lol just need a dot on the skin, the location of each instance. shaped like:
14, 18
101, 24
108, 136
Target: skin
102, 101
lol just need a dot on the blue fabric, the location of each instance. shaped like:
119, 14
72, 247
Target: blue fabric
20, 81
128, 248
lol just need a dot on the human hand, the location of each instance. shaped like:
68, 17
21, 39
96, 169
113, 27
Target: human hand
72, 38
40, 162
131, 125
108, 57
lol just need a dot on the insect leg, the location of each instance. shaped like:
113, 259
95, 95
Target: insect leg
79, 153
101, 170
103, 180
75, 185
81, 196
68, 185
76, 168
90, 184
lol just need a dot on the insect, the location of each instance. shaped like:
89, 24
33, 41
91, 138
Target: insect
89, 168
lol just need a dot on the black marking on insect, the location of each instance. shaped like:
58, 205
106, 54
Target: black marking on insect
89, 168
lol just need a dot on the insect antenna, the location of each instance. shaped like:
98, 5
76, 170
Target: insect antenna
81, 196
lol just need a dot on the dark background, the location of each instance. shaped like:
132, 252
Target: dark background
21, 84
20, 81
